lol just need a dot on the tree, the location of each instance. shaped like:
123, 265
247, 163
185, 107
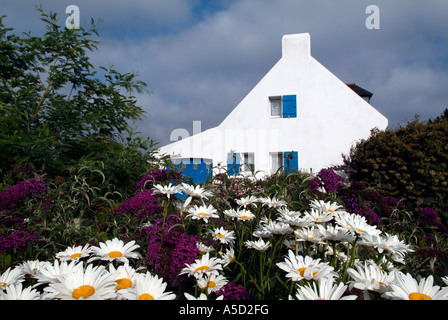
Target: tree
55, 106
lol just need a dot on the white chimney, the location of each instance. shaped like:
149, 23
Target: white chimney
296, 45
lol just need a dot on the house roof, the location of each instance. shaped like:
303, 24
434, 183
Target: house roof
360, 91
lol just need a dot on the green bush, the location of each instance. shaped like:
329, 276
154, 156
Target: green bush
408, 162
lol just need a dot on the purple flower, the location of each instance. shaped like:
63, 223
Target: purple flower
15, 240
11, 196
143, 204
232, 291
428, 214
149, 179
185, 252
327, 179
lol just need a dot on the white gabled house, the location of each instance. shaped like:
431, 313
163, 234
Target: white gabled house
299, 116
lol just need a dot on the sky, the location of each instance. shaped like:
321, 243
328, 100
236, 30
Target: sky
201, 58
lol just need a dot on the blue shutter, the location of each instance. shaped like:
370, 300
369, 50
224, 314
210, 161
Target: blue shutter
290, 106
291, 162
233, 163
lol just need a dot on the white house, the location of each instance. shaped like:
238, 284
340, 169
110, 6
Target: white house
299, 116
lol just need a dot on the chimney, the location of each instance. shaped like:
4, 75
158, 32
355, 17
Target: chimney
296, 45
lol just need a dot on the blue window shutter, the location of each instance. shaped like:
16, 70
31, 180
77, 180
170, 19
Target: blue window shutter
233, 163
291, 162
290, 106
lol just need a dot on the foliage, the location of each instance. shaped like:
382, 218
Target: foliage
406, 162
57, 108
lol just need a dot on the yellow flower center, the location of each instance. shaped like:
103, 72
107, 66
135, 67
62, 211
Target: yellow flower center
220, 235
419, 296
381, 283
211, 284
3, 284
83, 291
319, 299
245, 217
75, 255
115, 254
123, 283
360, 231
302, 271
330, 210
204, 214
145, 296
202, 268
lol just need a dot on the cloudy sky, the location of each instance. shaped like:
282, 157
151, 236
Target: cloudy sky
200, 58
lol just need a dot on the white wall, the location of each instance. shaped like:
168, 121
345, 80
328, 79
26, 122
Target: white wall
330, 116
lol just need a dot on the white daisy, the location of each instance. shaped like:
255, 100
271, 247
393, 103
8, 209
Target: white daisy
318, 216
148, 287
259, 245
194, 192
223, 236
325, 207
11, 276
247, 201
325, 290
272, 202
311, 234
203, 266
356, 224
202, 213
202, 296
32, 267
406, 287
394, 247
168, 190
212, 283
203, 248
93, 283
227, 257
370, 277
276, 227
300, 267
124, 276
336, 233
54, 272
244, 215
74, 253
17, 292
115, 250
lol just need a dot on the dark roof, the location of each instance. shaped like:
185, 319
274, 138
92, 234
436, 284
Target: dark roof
360, 91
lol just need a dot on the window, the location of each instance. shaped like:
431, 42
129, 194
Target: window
283, 107
289, 161
276, 106
249, 162
276, 161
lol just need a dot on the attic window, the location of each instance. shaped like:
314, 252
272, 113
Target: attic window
283, 106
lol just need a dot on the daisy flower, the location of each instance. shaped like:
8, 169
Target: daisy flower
202, 296
394, 247
356, 224
227, 257
325, 290
336, 233
325, 207
309, 234
194, 192
272, 202
74, 253
406, 287
247, 201
93, 283
223, 236
17, 292
244, 215
124, 276
202, 213
32, 267
11, 276
166, 190
258, 245
318, 216
276, 227
115, 250
54, 272
203, 266
370, 277
212, 283
148, 287
299, 267
203, 248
